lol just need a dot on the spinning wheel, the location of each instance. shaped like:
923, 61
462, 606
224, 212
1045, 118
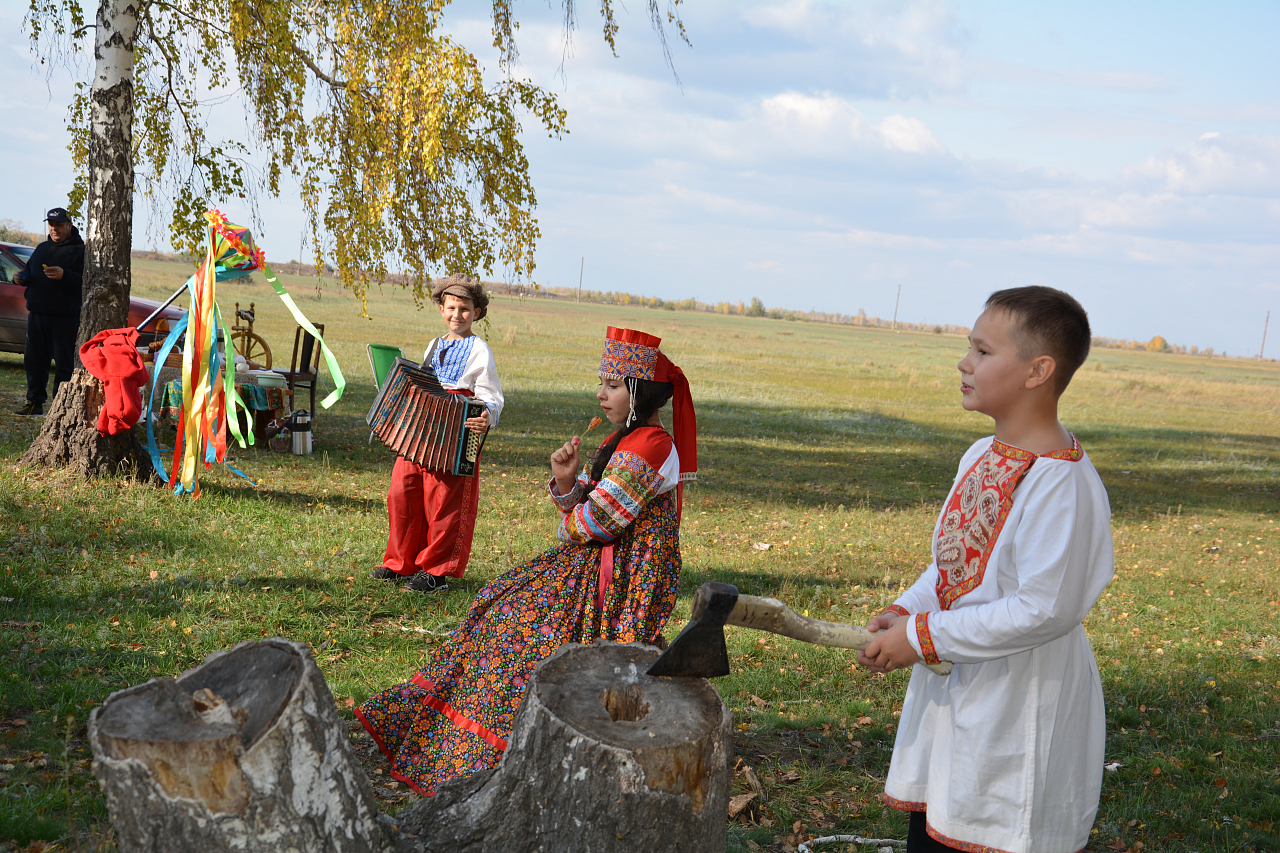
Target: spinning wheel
248, 343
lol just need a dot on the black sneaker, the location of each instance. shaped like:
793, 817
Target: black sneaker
384, 574
425, 582
31, 409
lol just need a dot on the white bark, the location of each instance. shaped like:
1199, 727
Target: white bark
108, 233
243, 754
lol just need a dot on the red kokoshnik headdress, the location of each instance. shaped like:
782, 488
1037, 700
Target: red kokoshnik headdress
632, 354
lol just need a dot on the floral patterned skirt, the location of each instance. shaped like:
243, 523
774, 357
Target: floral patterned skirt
454, 716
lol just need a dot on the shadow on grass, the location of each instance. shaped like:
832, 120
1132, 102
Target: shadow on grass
812, 457
866, 459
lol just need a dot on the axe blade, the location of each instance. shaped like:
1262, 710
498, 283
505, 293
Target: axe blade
698, 651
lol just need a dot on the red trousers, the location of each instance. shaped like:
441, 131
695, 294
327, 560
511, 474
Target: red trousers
432, 517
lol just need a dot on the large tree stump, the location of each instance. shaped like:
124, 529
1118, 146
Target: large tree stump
602, 758
243, 753
69, 436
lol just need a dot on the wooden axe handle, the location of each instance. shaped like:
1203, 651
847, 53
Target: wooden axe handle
770, 614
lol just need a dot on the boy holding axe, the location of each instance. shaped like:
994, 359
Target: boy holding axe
1006, 752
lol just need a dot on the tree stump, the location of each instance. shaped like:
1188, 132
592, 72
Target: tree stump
602, 758
69, 436
243, 753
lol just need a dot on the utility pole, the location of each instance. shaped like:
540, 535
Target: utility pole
895, 308
1262, 349
581, 267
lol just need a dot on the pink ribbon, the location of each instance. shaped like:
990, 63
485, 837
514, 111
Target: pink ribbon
606, 573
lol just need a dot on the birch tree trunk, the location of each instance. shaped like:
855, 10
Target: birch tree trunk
68, 437
602, 759
243, 754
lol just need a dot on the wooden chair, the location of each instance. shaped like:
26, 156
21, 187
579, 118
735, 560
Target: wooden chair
304, 368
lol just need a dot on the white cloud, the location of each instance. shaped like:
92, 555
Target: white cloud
901, 133
1215, 164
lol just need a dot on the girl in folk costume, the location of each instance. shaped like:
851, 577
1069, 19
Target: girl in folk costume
432, 514
614, 576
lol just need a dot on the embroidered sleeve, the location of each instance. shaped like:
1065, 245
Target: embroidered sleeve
924, 640
628, 484
566, 503
896, 609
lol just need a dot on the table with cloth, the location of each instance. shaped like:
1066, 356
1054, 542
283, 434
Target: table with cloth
267, 404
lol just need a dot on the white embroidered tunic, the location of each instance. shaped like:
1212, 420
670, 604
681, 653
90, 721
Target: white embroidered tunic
1006, 753
468, 364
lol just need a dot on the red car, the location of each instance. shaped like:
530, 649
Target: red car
13, 305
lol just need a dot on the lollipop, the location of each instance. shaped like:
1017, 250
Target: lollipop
595, 422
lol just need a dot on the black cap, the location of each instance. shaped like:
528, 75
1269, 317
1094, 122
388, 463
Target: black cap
57, 214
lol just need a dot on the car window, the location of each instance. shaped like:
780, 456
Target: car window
8, 266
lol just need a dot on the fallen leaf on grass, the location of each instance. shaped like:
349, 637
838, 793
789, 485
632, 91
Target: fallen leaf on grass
762, 546
135, 646
753, 847
758, 702
153, 575
349, 702
738, 803
789, 776
1112, 767
1118, 844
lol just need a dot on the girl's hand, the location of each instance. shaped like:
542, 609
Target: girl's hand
478, 424
566, 462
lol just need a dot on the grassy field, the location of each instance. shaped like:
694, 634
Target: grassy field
833, 445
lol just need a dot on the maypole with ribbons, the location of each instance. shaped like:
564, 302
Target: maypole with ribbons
209, 398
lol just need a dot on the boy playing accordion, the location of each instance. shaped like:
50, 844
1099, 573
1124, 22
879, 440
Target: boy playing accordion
432, 514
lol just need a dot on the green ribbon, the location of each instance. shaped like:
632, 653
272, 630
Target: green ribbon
339, 382
229, 390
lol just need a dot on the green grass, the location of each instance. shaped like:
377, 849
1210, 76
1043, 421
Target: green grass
834, 445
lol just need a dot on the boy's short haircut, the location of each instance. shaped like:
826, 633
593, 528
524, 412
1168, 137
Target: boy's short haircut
462, 287
1047, 322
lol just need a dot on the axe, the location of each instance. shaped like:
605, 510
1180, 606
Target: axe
699, 650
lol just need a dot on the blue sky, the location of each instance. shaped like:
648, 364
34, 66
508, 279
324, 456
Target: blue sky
820, 155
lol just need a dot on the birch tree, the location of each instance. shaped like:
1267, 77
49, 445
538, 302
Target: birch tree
400, 147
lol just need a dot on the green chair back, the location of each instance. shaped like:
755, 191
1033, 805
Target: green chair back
381, 357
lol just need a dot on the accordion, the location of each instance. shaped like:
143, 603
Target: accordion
416, 417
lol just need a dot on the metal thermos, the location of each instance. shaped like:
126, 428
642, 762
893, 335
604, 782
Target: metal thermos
301, 431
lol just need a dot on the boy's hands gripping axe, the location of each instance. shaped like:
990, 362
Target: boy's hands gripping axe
699, 650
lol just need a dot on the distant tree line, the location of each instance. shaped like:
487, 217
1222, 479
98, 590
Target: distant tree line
1156, 344
13, 232
754, 308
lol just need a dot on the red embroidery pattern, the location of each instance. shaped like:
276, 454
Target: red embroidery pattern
896, 608
925, 638
976, 513
902, 805
965, 845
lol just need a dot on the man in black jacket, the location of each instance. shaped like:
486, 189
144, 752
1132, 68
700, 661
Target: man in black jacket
52, 278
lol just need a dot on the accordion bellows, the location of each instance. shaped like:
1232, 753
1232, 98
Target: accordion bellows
419, 419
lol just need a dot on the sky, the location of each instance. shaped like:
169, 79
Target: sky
825, 155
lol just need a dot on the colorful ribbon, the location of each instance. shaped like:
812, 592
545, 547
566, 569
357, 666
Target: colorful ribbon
208, 381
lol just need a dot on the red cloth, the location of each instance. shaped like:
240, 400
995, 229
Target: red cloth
432, 517
112, 356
